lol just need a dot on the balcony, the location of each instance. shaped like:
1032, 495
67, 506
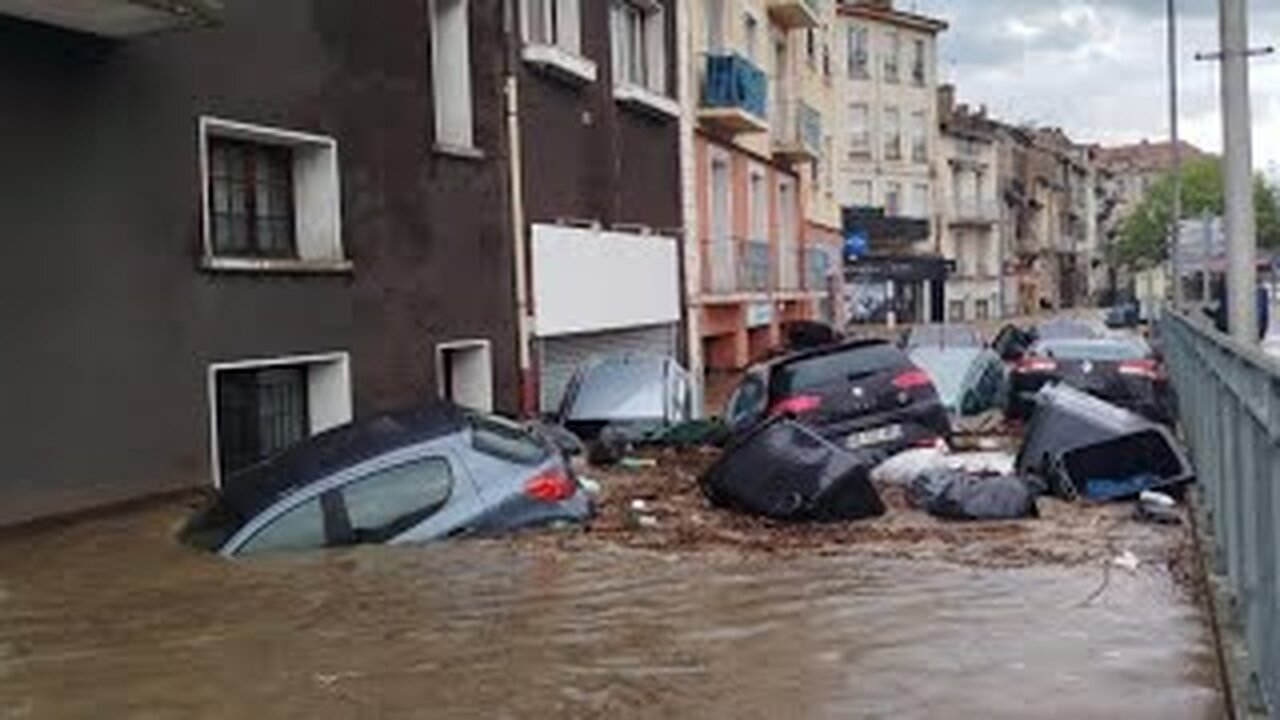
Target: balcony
975, 213
735, 266
795, 14
798, 133
734, 96
116, 18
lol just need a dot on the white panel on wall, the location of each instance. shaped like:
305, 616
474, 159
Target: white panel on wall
590, 280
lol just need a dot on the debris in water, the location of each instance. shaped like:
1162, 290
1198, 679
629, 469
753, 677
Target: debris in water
1127, 561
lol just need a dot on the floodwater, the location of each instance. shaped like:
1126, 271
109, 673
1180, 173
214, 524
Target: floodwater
112, 619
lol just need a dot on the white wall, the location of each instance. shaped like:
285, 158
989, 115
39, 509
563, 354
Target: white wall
588, 280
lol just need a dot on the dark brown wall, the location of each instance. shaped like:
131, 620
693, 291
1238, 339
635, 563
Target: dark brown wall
107, 324
587, 157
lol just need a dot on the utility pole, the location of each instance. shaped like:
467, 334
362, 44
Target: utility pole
1175, 263
1237, 142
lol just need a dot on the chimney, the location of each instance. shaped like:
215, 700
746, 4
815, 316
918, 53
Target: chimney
946, 101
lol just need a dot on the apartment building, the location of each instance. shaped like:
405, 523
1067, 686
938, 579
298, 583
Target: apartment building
886, 152
599, 129
232, 225
969, 211
755, 159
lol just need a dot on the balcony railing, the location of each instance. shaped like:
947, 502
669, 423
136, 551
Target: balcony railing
736, 266
734, 94
976, 212
797, 132
817, 265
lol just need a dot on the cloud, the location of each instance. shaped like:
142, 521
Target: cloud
1097, 67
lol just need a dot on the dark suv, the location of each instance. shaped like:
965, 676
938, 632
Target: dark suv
861, 395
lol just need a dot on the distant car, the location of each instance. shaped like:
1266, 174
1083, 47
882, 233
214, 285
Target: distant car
1120, 370
969, 381
420, 475
636, 394
942, 336
1069, 329
862, 395
1124, 315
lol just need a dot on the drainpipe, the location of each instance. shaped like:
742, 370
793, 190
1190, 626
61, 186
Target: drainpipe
515, 172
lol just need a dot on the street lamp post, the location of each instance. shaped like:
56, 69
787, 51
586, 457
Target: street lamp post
1242, 318
1176, 149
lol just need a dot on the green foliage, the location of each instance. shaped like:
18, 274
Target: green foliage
1143, 235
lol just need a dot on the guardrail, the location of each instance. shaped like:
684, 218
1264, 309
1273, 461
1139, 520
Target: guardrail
1229, 403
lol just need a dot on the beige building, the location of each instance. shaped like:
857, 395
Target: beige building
886, 150
969, 227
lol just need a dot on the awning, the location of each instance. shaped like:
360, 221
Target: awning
879, 228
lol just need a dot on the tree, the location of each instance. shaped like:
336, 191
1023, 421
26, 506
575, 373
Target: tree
1143, 235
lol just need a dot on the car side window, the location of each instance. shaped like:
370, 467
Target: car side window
387, 502
300, 528
748, 401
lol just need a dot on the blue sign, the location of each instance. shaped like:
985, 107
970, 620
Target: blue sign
856, 244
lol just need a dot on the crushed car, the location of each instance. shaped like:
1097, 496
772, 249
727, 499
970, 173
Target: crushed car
428, 473
970, 381
861, 395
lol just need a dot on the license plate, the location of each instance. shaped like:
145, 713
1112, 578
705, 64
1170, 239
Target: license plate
866, 438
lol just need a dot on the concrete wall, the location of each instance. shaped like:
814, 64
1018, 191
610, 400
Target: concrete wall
109, 322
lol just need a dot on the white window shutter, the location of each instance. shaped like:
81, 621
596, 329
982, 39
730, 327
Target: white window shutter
657, 50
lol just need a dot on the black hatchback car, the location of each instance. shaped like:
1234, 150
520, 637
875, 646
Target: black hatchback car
861, 395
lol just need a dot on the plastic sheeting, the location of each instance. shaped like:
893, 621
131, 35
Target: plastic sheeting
957, 495
903, 468
783, 470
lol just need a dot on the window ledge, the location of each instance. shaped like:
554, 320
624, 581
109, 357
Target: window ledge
286, 266
646, 100
464, 152
561, 63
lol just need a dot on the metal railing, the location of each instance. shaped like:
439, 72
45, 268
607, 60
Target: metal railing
798, 124
1229, 402
734, 81
736, 265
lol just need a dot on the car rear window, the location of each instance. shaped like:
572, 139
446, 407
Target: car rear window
1068, 330
1099, 351
506, 440
813, 371
945, 336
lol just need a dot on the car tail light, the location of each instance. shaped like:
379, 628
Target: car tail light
1035, 365
1149, 369
551, 486
931, 443
796, 405
913, 378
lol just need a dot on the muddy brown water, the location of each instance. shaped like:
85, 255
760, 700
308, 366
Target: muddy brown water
112, 619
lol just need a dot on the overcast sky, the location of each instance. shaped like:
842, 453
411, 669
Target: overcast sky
1097, 67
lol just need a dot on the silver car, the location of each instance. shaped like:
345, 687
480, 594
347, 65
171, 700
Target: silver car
430, 473
970, 381
635, 394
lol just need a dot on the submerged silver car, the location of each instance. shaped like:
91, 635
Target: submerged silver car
970, 381
429, 473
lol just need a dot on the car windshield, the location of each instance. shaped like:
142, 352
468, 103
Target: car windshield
1068, 330
853, 361
948, 370
944, 336
1096, 350
628, 388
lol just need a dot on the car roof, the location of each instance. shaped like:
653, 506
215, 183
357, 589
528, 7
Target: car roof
774, 363
253, 489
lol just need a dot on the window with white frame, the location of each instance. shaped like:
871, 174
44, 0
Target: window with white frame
261, 407
554, 23
751, 37
919, 137
919, 202
892, 57
893, 199
892, 134
758, 202
918, 76
451, 73
860, 193
859, 130
859, 52
270, 196
639, 45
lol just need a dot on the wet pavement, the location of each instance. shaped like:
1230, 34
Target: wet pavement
111, 618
